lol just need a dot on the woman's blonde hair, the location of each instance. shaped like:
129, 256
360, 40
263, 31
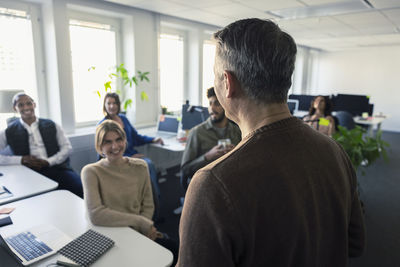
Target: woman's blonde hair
104, 128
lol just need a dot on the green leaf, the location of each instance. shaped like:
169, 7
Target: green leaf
98, 93
127, 103
144, 96
134, 80
107, 86
91, 68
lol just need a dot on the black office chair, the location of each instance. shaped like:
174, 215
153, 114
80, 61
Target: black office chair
345, 119
10, 120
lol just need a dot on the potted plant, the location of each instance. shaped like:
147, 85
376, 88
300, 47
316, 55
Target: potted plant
362, 149
122, 74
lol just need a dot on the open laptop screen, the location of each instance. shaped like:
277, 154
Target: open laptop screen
168, 124
7, 257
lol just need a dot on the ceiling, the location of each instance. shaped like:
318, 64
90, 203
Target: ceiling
331, 25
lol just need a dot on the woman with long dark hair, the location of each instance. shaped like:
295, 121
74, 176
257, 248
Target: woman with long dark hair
319, 115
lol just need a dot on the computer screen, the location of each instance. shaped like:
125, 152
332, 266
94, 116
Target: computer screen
193, 115
355, 104
167, 123
304, 101
293, 105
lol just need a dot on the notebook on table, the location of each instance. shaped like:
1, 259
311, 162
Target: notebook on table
87, 248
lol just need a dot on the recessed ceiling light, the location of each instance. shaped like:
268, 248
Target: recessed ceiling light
331, 9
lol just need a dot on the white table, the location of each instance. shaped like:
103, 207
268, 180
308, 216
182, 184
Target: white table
67, 212
370, 122
23, 182
166, 156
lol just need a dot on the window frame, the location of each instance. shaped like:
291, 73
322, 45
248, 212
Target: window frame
116, 25
184, 36
34, 14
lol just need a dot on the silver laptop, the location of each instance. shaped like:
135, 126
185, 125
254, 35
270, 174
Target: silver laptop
36, 243
167, 126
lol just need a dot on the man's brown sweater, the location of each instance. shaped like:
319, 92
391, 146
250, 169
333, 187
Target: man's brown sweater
285, 196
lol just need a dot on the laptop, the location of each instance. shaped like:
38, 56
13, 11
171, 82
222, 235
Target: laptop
293, 105
32, 245
167, 126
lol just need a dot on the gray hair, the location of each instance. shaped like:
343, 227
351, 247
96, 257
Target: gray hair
260, 55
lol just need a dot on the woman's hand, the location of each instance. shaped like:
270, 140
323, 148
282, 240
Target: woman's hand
137, 155
158, 140
152, 234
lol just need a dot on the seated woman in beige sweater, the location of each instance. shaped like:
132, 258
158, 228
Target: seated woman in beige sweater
117, 189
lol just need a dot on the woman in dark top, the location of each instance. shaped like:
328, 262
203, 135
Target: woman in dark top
319, 116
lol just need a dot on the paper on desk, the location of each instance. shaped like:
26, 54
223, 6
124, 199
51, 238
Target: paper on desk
4, 193
6, 210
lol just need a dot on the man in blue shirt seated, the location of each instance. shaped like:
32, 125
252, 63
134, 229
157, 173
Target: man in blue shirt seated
39, 144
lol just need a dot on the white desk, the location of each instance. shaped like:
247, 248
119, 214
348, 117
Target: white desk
23, 182
67, 212
166, 156
370, 122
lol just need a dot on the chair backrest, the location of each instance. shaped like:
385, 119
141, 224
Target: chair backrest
345, 119
10, 120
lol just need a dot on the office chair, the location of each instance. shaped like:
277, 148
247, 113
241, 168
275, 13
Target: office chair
10, 120
345, 119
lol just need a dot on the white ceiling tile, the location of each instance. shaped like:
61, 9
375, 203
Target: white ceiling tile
393, 15
322, 2
202, 3
200, 15
125, 2
236, 11
385, 3
368, 28
388, 38
265, 5
160, 6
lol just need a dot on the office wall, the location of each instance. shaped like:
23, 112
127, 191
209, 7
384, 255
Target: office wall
369, 71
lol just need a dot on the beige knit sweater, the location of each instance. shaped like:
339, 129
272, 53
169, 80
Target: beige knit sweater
119, 195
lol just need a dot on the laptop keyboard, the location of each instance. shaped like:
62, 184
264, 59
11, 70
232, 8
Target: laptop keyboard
28, 246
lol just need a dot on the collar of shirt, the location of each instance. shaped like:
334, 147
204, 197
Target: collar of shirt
31, 127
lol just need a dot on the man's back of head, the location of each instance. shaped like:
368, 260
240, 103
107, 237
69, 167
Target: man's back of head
260, 55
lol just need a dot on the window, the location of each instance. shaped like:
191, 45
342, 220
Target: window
94, 57
171, 71
17, 59
208, 69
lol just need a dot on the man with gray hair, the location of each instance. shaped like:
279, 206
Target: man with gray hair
285, 195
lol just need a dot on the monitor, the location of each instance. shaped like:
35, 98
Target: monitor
193, 115
168, 124
355, 104
304, 101
293, 105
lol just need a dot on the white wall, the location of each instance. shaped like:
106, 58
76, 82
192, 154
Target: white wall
370, 71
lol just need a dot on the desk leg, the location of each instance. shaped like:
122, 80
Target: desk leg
371, 130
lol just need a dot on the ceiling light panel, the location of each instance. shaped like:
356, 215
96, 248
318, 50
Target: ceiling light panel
323, 2
362, 19
321, 10
385, 3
